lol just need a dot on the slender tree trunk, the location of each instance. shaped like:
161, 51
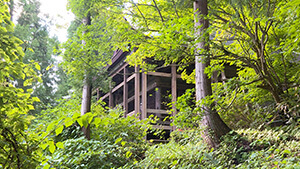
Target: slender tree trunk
211, 121
11, 9
87, 88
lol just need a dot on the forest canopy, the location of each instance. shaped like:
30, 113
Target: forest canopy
50, 117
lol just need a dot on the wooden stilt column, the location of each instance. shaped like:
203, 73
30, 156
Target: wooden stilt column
110, 97
137, 90
144, 96
174, 90
125, 92
98, 94
158, 98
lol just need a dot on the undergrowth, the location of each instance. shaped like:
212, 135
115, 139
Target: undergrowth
249, 148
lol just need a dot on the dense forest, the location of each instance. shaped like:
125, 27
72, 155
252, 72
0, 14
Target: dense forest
50, 117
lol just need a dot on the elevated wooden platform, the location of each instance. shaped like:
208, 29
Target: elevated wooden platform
142, 93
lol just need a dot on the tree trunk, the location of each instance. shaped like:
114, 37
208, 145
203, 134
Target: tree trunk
87, 88
214, 127
11, 6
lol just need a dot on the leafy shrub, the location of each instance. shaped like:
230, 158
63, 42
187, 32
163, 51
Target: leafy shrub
248, 149
82, 153
115, 141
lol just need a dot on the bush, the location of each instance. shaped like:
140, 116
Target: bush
115, 141
272, 148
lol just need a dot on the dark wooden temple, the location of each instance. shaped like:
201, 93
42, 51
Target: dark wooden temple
145, 93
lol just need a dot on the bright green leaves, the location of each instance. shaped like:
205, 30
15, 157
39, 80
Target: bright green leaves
37, 66
18, 143
43, 146
118, 140
79, 121
60, 145
50, 127
59, 130
51, 146
68, 121
97, 121
114, 138
128, 154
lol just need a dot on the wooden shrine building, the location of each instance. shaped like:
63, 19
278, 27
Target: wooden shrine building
143, 93
146, 93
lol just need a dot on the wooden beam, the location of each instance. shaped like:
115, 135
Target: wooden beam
158, 98
130, 77
150, 87
117, 87
161, 74
98, 94
110, 97
158, 111
125, 92
174, 90
162, 127
105, 96
131, 114
137, 90
118, 70
144, 96
110, 102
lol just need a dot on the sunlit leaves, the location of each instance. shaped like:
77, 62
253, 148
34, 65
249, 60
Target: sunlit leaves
59, 130
18, 143
52, 147
60, 145
68, 121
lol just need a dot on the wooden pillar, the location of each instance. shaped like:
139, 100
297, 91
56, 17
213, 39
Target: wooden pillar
137, 90
144, 96
98, 94
174, 90
125, 92
158, 98
110, 97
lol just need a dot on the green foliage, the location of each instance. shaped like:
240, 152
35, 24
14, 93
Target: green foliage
18, 145
187, 116
115, 140
251, 36
250, 149
38, 49
259, 38
83, 153
258, 41
88, 60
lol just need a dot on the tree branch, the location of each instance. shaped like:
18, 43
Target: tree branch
146, 23
161, 17
174, 5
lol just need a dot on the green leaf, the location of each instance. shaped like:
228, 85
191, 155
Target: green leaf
60, 145
128, 154
44, 146
47, 166
84, 120
50, 127
97, 121
123, 143
51, 147
68, 121
49, 67
37, 66
118, 140
59, 130
286, 152
80, 122
30, 107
